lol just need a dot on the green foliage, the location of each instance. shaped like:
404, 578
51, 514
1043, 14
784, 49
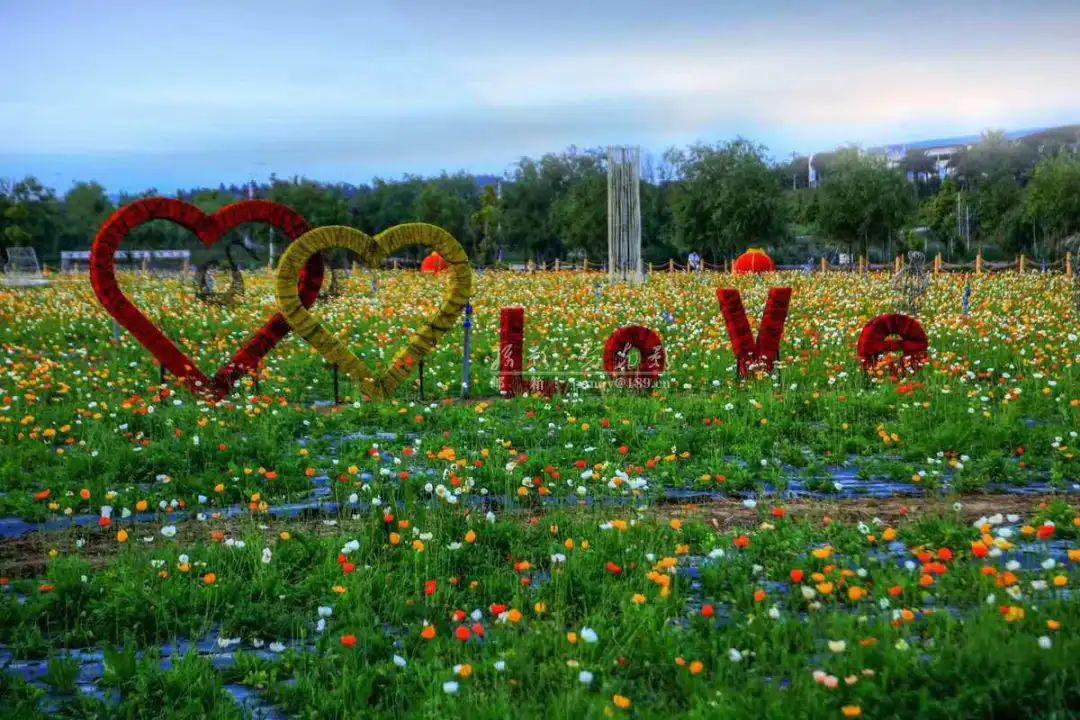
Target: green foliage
86, 207
485, 225
579, 215
319, 204
862, 201
717, 199
1053, 197
727, 199
939, 213
541, 197
449, 201
28, 214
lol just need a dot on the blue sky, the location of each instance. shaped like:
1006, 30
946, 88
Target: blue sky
175, 94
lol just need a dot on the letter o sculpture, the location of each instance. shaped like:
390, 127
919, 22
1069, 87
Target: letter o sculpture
617, 357
893, 333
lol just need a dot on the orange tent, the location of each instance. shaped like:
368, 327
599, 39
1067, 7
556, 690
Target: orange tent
754, 260
433, 263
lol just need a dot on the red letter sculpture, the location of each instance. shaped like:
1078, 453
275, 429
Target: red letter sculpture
617, 357
511, 358
765, 350
893, 333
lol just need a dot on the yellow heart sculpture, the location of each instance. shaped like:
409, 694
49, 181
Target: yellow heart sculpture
373, 251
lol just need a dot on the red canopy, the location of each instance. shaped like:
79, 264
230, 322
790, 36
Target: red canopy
433, 263
753, 261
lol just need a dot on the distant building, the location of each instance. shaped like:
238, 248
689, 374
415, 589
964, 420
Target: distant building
941, 150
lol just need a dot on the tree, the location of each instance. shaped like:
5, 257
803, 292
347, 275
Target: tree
994, 156
320, 204
449, 202
388, 203
31, 216
917, 161
439, 205
862, 201
1053, 197
485, 223
86, 208
795, 173
658, 242
535, 198
939, 213
579, 213
922, 170
727, 198
998, 204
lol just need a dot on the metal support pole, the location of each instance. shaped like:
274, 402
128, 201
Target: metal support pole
162, 374
421, 380
466, 367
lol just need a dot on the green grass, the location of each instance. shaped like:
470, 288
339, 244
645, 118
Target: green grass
84, 424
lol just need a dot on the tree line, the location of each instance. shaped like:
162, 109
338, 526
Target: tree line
1001, 197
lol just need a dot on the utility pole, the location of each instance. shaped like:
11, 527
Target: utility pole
270, 261
967, 227
959, 222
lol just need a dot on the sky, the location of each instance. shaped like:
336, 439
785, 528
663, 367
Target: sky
170, 95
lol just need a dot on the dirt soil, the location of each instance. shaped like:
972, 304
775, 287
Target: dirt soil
731, 514
27, 556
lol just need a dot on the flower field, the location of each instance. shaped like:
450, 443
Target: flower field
816, 543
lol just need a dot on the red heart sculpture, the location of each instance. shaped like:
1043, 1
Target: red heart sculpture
209, 229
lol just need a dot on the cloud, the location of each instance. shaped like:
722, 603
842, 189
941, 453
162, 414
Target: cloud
349, 94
